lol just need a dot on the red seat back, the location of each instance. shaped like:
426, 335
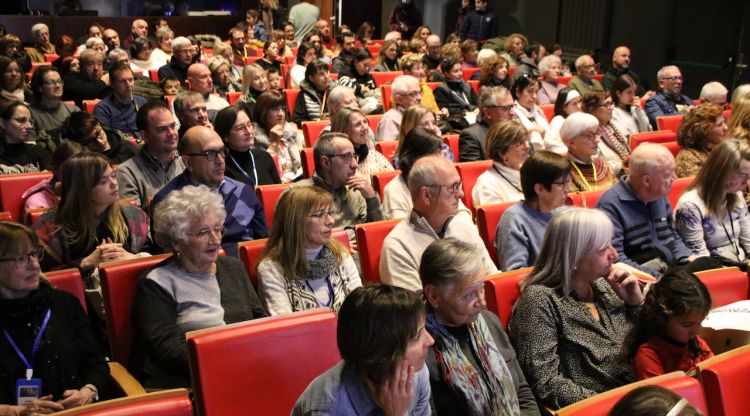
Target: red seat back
387, 92
659, 136
678, 188
673, 147
469, 172
33, 215
373, 120
51, 57
488, 216
370, 238
381, 179
563, 80
89, 105
12, 187
586, 199
251, 59
385, 78
469, 72
290, 95
118, 279
233, 97
475, 86
260, 367
451, 140
154, 75
250, 252
549, 111
166, 402
374, 50
5, 216
501, 291
669, 122
308, 161
312, 130
724, 379
598, 77
269, 195
387, 149
726, 285
68, 280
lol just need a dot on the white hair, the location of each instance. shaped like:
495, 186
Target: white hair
580, 59
394, 35
660, 73
576, 124
177, 214
547, 62
37, 27
90, 42
713, 90
742, 91
181, 42
485, 54
402, 83
337, 94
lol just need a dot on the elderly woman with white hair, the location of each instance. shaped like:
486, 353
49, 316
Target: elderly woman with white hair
550, 67
580, 135
195, 288
472, 364
574, 312
163, 52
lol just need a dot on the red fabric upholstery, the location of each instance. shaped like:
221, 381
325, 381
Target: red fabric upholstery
726, 285
488, 216
233, 97
373, 120
433, 85
601, 404
468, 72
385, 78
678, 187
659, 136
68, 280
475, 86
88, 105
669, 122
387, 149
724, 379
13, 186
501, 291
374, 50
5, 216
586, 199
167, 402
563, 80
598, 77
673, 147
469, 172
51, 57
549, 111
118, 281
452, 141
154, 75
381, 179
260, 367
269, 195
312, 129
387, 92
308, 161
370, 238
290, 95
33, 215
251, 59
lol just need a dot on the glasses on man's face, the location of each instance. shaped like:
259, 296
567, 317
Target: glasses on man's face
24, 259
206, 233
323, 214
452, 188
504, 108
210, 155
348, 157
412, 94
53, 83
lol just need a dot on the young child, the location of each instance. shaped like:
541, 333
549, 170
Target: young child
665, 337
170, 85
274, 80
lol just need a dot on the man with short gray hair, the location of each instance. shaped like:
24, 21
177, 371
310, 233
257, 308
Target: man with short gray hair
90, 83
584, 80
42, 44
669, 100
715, 93
190, 109
495, 105
182, 57
432, 59
406, 93
436, 191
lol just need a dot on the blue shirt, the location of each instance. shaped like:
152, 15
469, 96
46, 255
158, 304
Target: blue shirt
245, 220
116, 115
519, 235
338, 391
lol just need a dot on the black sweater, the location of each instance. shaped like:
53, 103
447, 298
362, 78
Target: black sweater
264, 166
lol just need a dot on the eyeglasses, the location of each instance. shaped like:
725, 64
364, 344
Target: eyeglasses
348, 157
322, 214
413, 94
210, 155
673, 79
206, 234
21, 120
505, 108
53, 83
607, 104
453, 188
24, 259
249, 126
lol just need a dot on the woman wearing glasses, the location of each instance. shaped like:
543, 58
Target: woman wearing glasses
302, 267
244, 163
16, 154
579, 133
614, 146
83, 128
279, 137
508, 147
701, 130
712, 215
353, 123
68, 361
193, 289
48, 110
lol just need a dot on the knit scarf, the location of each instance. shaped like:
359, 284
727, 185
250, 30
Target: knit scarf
586, 180
487, 389
615, 140
324, 266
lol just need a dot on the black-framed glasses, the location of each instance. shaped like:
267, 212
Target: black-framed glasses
24, 259
505, 108
53, 83
453, 187
207, 233
210, 155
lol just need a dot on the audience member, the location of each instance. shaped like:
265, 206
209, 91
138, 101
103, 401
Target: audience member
715, 93
613, 144
628, 115
495, 105
190, 110
550, 70
472, 363
199, 80
435, 189
204, 155
431, 59
387, 58
701, 130
273, 14
528, 112
139, 29
621, 66
383, 343
270, 58
221, 75
182, 57
515, 44
315, 88
584, 80
163, 52
647, 400
508, 147
305, 55
579, 133
196, 288
140, 50
252, 18
17, 153
10, 46
118, 110
111, 39
405, 18
739, 121
89, 84
254, 83
358, 77
324, 29
469, 52
493, 72
13, 87
568, 102
45, 194
413, 65
48, 111
420, 116
289, 34
479, 24
353, 123
669, 100
42, 43
84, 129
279, 137
455, 94
406, 93
303, 16
157, 162
529, 65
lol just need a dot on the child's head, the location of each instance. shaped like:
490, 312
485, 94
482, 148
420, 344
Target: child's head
674, 308
274, 79
170, 85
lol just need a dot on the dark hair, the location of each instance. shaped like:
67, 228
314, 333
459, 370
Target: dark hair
341, 33
253, 13
5, 63
363, 28
302, 50
592, 100
417, 144
65, 150
620, 84
138, 45
37, 80
677, 292
225, 119
542, 167
164, 80
267, 45
264, 104
79, 126
651, 400
520, 84
447, 64
375, 325
314, 67
66, 63
141, 118
532, 47
7, 111
118, 67
360, 54
560, 102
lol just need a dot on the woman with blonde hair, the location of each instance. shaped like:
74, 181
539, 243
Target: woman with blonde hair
712, 216
739, 121
419, 116
387, 58
254, 83
493, 72
700, 131
353, 123
574, 306
302, 267
507, 145
514, 46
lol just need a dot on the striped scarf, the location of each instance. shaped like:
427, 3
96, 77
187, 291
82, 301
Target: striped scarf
323, 267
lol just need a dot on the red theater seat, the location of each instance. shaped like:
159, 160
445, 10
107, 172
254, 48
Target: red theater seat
370, 238
269, 195
387, 149
33, 215
586, 199
549, 111
290, 94
673, 147
5, 216
373, 120
501, 291
469, 173
724, 379
233, 97
308, 161
385, 78
659, 136
563, 80
726, 285
669, 122
488, 216
312, 130
68, 280
469, 72
678, 187
381, 179
166, 402
475, 86
451, 140
260, 367
89, 105
13, 186
387, 92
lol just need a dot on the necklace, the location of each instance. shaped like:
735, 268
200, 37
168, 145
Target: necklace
506, 179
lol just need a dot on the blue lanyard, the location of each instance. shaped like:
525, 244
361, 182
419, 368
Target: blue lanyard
330, 293
255, 170
29, 369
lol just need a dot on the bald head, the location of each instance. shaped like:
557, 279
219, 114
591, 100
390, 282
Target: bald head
139, 29
199, 79
648, 156
652, 170
203, 153
621, 57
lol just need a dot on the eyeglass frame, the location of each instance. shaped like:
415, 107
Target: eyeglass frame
453, 188
23, 259
210, 155
204, 235
348, 157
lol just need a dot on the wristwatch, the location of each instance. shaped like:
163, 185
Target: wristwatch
94, 391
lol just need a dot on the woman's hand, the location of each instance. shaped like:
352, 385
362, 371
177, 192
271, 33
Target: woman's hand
625, 284
636, 101
276, 133
75, 398
395, 395
41, 406
443, 113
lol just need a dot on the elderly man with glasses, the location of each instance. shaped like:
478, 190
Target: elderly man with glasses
495, 105
406, 93
584, 80
669, 100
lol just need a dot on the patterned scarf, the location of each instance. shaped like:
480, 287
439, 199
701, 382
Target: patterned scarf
615, 140
325, 267
487, 389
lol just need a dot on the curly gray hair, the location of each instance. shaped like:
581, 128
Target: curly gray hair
177, 213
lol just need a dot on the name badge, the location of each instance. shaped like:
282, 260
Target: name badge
28, 389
